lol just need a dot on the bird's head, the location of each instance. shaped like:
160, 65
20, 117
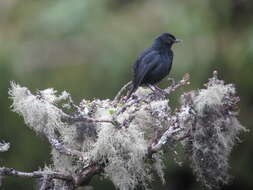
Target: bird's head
167, 39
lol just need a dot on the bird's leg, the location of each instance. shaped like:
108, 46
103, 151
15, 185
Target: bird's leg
157, 90
151, 87
163, 92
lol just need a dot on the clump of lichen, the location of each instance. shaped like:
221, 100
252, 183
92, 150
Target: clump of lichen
213, 133
41, 114
4, 146
123, 152
123, 149
38, 111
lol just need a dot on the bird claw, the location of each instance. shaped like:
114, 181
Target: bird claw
158, 91
162, 93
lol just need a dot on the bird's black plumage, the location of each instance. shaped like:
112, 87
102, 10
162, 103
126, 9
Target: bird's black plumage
154, 63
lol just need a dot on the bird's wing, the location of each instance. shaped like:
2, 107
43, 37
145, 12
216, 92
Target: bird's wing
143, 65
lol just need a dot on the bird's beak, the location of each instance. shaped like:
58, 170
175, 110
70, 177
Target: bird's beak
178, 41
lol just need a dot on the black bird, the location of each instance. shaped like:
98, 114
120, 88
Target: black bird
154, 63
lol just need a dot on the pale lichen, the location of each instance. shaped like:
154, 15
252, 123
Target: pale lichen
4, 146
211, 96
214, 131
123, 152
38, 113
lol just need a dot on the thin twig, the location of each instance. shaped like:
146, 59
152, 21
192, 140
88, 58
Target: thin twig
183, 137
64, 150
73, 104
122, 90
45, 182
171, 133
157, 144
36, 174
74, 119
164, 138
174, 86
85, 175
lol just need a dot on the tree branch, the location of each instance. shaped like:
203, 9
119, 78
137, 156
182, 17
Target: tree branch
122, 90
64, 150
85, 175
45, 182
36, 174
73, 119
174, 86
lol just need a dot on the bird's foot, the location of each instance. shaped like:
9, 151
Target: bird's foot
157, 90
161, 92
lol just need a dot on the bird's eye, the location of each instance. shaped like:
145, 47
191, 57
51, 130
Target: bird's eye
170, 40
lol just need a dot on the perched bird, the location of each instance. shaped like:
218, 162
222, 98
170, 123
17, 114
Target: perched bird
154, 63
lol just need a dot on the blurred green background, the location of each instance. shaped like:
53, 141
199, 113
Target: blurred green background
87, 47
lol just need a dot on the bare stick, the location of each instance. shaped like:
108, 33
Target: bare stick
46, 180
36, 174
85, 176
163, 140
73, 119
64, 150
122, 90
174, 86
172, 132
